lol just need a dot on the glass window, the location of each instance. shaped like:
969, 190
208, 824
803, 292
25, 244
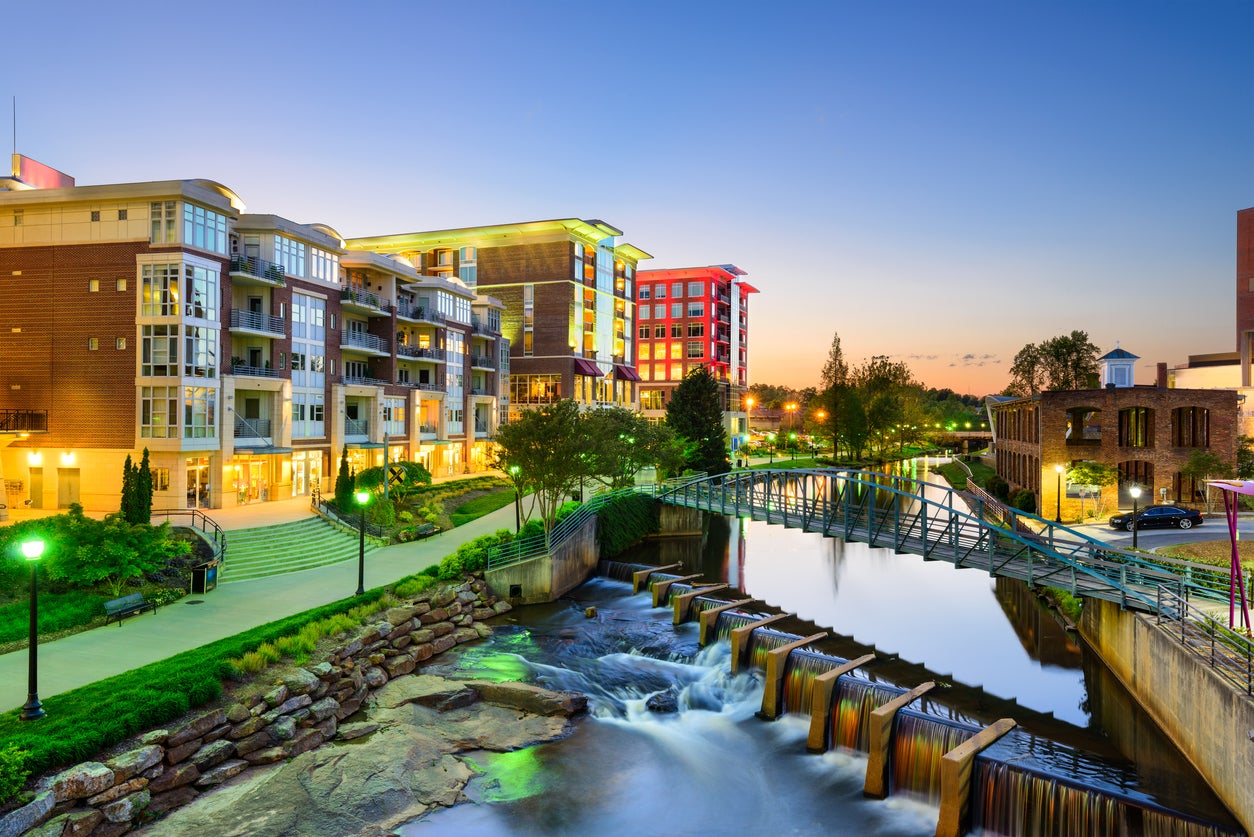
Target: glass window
677, 290
677, 351
200, 286
164, 220
677, 310
696, 349
677, 330
696, 289
696, 309
200, 356
659, 291
696, 329
158, 412
93, 285
204, 228
643, 332
159, 351
290, 255
645, 312
645, 349
324, 265
659, 332
644, 291
200, 412
161, 290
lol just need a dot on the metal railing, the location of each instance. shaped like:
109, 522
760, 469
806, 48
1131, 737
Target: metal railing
364, 298
259, 269
482, 362
420, 312
253, 371
420, 352
364, 380
362, 340
356, 427
246, 428
203, 523
330, 513
257, 321
23, 421
1228, 653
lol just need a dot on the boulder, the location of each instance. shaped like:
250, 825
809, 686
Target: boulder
253, 742
442, 628
443, 643
484, 631
277, 695
196, 727
213, 754
183, 774
174, 755
303, 742
375, 677
463, 635
237, 713
436, 614
440, 598
168, 801
502, 607
127, 808
348, 732
397, 615
323, 709
283, 729
217, 775
287, 707
118, 791
31, 814
133, 762
157, 736
663, 702
81, 781
300, 682
245, 729
531, 699
398, 666
72, 824
267, 756
422, 635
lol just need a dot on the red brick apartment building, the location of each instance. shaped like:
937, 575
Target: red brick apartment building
691, 317
1147, 432
244, 351
568, 294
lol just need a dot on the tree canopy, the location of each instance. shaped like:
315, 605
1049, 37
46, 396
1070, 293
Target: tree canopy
1059, 363
695, 415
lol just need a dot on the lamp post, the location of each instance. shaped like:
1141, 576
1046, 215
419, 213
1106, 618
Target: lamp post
791, 409
513, 472
792, 445
363, 497
821, 415
33, 710
771, 437
1058, 495
1135, 491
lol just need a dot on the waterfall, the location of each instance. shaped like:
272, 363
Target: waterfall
730, 620
855, 700
800, 670
619, 570
919, 742
762, 641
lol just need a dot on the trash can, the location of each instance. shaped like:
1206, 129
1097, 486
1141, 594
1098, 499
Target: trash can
205, 577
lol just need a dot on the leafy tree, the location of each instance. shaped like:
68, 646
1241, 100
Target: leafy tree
113, 550
344, 484
835, 382
545, 451
1091, 477
128, 507
416, 475
623, 442
143, 491
1059, 363
1205, 465
694, 414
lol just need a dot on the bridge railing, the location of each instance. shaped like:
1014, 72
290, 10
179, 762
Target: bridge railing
1227, 652
537, 546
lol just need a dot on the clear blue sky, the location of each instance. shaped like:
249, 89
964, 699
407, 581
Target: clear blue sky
941, 182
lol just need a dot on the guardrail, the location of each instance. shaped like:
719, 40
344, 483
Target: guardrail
200, 520
329, 512
1228, 653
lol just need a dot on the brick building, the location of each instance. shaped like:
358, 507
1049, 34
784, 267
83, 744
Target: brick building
244, 351
690, 317
1147, 432
567, 288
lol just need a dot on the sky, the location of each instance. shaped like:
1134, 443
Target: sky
938, 181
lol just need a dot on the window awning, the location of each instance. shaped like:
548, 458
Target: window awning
587, 367
365, 445
626, 373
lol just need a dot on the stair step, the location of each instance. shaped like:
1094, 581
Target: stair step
290, 547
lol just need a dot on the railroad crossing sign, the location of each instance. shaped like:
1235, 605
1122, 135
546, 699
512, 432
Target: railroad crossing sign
396, 474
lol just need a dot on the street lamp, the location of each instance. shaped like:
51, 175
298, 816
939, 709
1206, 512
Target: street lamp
513, 472
792, 445
1135, 491
771, 437
363, 497
33, 710
1058, 495
790, 408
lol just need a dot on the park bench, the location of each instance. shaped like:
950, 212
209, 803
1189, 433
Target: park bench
426, 530
121, 608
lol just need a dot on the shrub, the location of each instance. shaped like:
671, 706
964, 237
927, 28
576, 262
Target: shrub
624, 520
414, 585
1024, 500
13, 771
998, 487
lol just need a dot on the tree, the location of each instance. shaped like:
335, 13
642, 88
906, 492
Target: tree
1245, 458
1090, 477
1059, 363
545, 451
623, 442
1203, 466
143, 491
129, 506
371, 479
113, 550
694, 414
835, 381
344, 484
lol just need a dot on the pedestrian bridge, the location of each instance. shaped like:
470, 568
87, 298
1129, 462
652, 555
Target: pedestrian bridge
940, 524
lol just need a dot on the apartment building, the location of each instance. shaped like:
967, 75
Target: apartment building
567, 287
689, 317
246, 352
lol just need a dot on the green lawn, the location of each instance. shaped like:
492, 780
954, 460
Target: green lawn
478, 507
57, 612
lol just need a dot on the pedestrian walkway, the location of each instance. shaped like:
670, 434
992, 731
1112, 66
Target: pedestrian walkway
231, 608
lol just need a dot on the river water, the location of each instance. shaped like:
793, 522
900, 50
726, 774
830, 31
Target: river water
714, 768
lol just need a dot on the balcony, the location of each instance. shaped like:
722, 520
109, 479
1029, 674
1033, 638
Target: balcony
255, 322
362, 381
482, 362
420, 314
250, 270
23, 421
428, 386
421, 353
246, 371
479, 391
364, 301
356, 427
368, 343
481, 428
254, 428
482, 328
427, 429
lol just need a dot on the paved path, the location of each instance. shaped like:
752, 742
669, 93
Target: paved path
233, 607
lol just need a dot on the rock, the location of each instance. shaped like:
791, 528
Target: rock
422, 635
323, 709
437, 614
484, 631
419, 653
421, 608
481, 613
127, 808
301, 682
168, 801
322, 670
196, 728
442, 629
174, 755
443, 643
283, 729
663, 702
400, 630
467, 597
216, 733
287, 707
453, 609
382, 629
157, 736
502, 607
328, 727
402, 641
218, 775
245, 729
117, 792
267, 756
183, 774
112, 829
398, 666
31, 814
154, 771
320, 690
531, 699
71, 824
375, 677
463, 635
213, 754
443, 597
589, 613
351, 649
305, 740
348, 732
253, 742
237, 713
81, 781
277, 695
133, 762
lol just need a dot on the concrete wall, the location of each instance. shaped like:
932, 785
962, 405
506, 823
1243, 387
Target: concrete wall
680, 520
1210, 720
547, 578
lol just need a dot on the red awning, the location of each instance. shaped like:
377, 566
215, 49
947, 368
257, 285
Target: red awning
626, 373
587, 367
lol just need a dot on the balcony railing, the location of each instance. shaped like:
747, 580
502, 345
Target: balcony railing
253, 371
23, 421
427, 428
483, 328
420, 312
479, 391
361, 340
481, 427
356, 427
482, 361
420, 352
362, 380
257, 428
365, 299
258, 269
257, 321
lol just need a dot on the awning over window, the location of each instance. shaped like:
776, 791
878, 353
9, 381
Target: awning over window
625, 373
587, 367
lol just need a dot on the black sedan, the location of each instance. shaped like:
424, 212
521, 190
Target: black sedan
1157, 517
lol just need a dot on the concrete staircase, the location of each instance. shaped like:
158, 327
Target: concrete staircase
286, 548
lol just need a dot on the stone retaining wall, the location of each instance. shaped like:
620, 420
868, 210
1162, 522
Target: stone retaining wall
169, 768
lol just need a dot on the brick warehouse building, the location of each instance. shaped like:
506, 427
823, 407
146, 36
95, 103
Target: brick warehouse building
244, 351
690, 317
1147, 432
568, 292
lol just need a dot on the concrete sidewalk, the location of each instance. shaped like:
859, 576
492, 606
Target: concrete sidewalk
231, 608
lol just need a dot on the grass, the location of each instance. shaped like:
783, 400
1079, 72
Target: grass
58, 612
479, 506
1216, 553
980, 474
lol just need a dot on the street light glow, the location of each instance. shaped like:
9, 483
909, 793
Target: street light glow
32, 550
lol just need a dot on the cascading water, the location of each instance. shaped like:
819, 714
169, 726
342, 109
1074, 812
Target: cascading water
919, 742
856, 699
799, 673
763, 641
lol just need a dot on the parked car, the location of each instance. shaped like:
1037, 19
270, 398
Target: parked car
1156, 517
